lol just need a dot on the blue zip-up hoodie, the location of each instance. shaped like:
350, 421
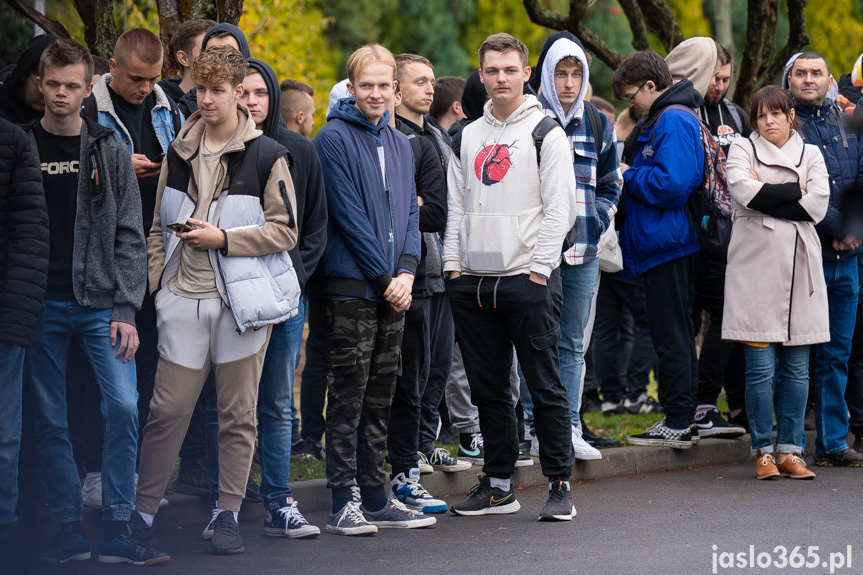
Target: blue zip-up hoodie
820, 125
373, 228
664, 173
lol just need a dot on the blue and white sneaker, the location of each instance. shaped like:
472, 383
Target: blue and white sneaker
67, 545
287, 521
409, 491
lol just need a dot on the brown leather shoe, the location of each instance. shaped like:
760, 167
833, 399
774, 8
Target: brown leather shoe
795, 468
765, 467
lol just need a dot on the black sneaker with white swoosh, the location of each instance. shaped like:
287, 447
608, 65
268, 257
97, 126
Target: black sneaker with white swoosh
711, 424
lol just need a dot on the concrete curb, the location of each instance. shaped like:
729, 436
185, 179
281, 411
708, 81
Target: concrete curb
187, 511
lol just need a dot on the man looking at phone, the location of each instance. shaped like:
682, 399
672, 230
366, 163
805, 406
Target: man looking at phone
218, 289
97, 268
146, 120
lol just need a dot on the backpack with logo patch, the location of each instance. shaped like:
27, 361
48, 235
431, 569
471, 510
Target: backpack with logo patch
709, 205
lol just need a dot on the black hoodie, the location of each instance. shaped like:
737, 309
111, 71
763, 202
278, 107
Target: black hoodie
307, 177
11, 106
188, 103
472, 102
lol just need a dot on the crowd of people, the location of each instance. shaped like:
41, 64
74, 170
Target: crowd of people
491, 256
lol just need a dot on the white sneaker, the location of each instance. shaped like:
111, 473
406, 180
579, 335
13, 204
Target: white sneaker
91, 491
534, 446
423, 464
583, 450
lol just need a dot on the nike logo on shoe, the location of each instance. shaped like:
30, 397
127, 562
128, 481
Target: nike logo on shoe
469, 452
708, 425
495, 502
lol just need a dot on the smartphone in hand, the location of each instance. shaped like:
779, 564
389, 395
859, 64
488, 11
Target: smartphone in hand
182, 227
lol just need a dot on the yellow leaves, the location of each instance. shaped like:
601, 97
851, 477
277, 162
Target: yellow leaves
290, 36
836, 33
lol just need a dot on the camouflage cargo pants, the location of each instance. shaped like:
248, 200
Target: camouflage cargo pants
364, 340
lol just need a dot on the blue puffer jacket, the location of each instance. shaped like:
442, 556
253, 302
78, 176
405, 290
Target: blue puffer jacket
373, 228
820, 125
664, 173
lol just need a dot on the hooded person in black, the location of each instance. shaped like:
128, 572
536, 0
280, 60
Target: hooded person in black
472, 101
14, 105
189, 102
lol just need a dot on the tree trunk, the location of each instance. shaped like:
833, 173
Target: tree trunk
50, 26
100, 32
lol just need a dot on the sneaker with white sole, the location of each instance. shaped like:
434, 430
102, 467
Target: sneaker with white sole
523, 460
349, 520
395, 515
207, 534
423, 464
409, 491
287, 521
711, 424
644, 404
660, 435
91, 491
611, 408
441, 460
583, 450
559, 506
487, 500
471, 448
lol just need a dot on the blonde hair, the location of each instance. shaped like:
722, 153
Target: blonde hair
219, 64
369, 54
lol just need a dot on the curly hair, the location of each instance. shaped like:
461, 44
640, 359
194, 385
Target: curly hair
219, 64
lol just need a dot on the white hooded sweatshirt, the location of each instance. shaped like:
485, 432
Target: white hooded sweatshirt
506, 217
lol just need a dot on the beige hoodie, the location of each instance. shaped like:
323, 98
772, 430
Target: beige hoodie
694, 59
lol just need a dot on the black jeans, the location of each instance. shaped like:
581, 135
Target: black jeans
670, 291
402, 441
721, 363
433, 383
617, 295
491, 315
313, 387
854, 387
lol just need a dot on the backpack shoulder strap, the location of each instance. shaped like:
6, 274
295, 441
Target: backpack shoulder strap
455, 143
735, 114
595, 125
546, 125
681, 107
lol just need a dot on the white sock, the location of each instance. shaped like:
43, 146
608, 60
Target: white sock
502, 484
550, 483
218, 510
147, 517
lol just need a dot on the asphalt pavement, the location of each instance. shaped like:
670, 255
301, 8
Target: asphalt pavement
664, 523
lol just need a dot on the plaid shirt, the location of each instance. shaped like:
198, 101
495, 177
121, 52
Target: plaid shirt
596, 197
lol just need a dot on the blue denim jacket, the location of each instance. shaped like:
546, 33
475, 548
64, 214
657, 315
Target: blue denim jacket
163, 121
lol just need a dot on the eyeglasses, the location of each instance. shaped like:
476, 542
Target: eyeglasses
629, 99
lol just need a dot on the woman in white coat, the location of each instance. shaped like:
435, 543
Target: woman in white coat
775, 295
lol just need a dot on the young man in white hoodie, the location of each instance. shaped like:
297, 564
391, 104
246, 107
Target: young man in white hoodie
509, 212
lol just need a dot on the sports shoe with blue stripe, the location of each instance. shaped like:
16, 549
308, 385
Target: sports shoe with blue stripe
409, 491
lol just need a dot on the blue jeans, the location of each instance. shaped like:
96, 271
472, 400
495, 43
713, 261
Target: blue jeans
45, 370
831, 358
275, 412
11, 369
790, 389
275, 407
579, 287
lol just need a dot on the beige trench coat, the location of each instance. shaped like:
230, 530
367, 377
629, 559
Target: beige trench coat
774, 283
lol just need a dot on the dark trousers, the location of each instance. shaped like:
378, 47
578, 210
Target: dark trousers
402, 444
616, 296
363, 340
441, 338
721, 363
313, 387
491, 316
146, 360
670, 291
854, 388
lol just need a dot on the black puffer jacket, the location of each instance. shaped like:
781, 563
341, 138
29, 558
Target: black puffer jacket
23, 236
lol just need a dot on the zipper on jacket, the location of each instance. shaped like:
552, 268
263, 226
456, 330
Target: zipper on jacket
793, 272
